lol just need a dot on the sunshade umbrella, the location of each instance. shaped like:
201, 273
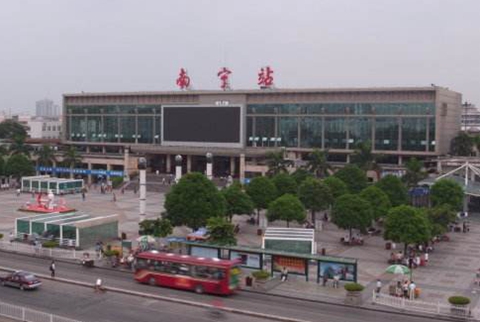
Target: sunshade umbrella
398, 269
146, 239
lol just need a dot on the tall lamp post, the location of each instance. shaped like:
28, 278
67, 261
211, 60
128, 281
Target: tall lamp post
142, 168
209, 157
178, 167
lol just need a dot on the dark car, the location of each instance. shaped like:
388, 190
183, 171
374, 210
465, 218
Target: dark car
22, 280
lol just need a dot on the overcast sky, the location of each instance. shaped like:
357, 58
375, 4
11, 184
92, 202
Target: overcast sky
50, 47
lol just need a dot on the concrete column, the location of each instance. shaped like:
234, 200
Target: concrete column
168, 163
439, 166
348, 158
242, 168
126, 160
189, 163
232, 166
400, 160
89, 176
104, 149
143, 193
88, 149
109, 168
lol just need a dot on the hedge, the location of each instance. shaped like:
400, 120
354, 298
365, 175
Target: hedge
50, 244
459, 300
261, 275
354, 287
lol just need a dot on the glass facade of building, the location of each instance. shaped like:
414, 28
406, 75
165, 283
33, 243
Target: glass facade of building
389, 126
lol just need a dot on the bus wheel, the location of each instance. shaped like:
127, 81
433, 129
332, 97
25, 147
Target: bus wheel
199, 289
152, 281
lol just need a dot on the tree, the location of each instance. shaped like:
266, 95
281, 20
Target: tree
262, 191
220, 231
414, 172
395, 190
378, 200
18, 165
315, 195
71, 158
337, 187
364, 158
18, 146
351, 212
45, 156
355, 179
408, 225
447, 191
440, 217
284, 183
2, 165
276, 162
238, 202
156, 227
10, 129
317, 163
193, 200
300, 175
462, 145
287, 207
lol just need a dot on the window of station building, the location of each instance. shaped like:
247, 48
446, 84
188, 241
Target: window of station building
145, 109
287, 132
414, 134
264, 131
431, 134
386, 108
335, 133
288, 108
360, 130
360, 109
158, 129
335, 108
145, 129
78, 128
311, 132
417, 108
110, 128
386, 133
94, 129
76, 110
261, 109
127, 129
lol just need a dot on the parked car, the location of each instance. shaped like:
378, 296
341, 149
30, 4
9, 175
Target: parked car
22, 280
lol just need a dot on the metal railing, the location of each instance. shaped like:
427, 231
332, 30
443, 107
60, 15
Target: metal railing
45, 252
29, 315
425, 307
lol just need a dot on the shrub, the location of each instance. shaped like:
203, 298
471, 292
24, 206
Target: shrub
261, 275
1, 236
117, 182
354, 287
458, 300
113, 252
49, 244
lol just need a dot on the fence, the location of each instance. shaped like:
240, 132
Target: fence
425, 307
24, 314
41, 251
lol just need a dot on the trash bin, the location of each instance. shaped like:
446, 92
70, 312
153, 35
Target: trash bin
388, 245
259, 232
248, 281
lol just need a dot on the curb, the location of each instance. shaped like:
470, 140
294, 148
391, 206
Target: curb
167, 299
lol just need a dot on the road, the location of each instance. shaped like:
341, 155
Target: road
57, 298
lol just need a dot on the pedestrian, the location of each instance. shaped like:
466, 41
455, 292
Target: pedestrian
98, 285
11, 237
284, 274
336, 281
123, 190
97, 249
83, 195
324, 279
52, 269
163, 181
426, 257
135, 190
412, 288
379, 286
405, 289
18, 192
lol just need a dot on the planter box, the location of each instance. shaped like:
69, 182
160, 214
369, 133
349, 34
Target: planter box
354, 298
260, 284
460, 311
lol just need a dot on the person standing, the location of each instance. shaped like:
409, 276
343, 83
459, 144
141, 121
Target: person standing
412, 288
52, 269
379, 286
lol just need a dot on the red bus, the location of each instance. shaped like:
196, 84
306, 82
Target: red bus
209, 275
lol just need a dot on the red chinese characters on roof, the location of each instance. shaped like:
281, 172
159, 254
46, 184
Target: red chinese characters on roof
183, 80
265, 77
224, 75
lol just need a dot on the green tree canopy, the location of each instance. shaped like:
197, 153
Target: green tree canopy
2, 165
287, 207
156, 227
408, 225
300, 175
262, 191
395, 190
352, 212
277, 163
193, 200
378, 200
284, 183
440, 217
337, 187
355, 179
10, 129
414, 172
317, 163
221, 232
315, 195
18, 165
71, 158
447, 191
462, 145
18, 146
238, 202
45, 156
364, 158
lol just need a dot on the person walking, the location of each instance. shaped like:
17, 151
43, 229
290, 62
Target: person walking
378, 287
98, 285
18, 192
52, 269
83, 195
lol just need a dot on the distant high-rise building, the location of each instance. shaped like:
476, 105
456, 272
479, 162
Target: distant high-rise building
46, 108
470, 118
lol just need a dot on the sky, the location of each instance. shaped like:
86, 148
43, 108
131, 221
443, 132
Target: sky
51, 47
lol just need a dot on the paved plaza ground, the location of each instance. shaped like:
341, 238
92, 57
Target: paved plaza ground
450, 270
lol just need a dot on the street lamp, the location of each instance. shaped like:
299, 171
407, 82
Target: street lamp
209, 157
178, 167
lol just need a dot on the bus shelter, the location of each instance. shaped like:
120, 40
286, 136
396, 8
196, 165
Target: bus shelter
345, 269
45, 184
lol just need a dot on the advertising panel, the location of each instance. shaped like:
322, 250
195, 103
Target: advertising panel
294, 265
204, 252
250, 260
345, 272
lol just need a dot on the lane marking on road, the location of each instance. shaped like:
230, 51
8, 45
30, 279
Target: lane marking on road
165, 298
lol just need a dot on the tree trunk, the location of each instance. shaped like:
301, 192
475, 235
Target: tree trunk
313, 217
288, 223
405, 250
350, 233
258, 217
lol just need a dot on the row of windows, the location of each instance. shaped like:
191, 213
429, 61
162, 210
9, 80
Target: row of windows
115, 109
51, 128
181, 269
